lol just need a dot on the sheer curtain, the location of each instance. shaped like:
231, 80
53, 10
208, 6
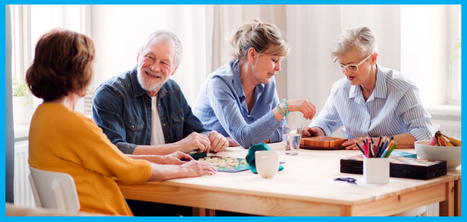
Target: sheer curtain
119, 30
312, 32
308, 71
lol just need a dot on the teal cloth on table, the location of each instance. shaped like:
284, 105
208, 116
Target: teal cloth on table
198, 156
403, 154
250, 157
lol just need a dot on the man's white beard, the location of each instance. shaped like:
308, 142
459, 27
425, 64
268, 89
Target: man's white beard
148, 84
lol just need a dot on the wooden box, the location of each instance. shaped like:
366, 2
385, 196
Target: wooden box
400, 167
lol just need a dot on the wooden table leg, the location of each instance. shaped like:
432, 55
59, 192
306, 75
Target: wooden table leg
457, 197
446, 207
203, 212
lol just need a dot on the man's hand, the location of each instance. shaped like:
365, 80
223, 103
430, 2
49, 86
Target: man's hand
218, 142
312, 132
194, 141
177, 158
195, 168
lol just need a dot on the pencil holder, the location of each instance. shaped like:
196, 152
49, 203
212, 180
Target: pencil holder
376, 170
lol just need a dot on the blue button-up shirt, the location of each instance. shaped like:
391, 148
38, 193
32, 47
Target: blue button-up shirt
221, 106
393, 108
122, 108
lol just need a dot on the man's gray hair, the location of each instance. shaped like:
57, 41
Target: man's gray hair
166, 37
361, 39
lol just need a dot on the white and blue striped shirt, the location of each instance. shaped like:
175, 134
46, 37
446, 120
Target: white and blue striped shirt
393, 108
221, 106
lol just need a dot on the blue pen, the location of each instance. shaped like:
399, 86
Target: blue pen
384, 153
383, 148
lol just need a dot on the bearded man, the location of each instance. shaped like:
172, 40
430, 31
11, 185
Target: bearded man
144, 112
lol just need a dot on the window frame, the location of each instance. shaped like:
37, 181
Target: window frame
453, 88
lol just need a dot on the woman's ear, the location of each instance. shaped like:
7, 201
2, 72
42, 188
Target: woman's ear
374, 58
252, 55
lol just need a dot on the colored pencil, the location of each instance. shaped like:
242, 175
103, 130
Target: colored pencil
390, 151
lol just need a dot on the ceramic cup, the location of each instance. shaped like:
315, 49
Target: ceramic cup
376, 170
267, 163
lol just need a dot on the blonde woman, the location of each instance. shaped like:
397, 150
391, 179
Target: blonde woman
239, 100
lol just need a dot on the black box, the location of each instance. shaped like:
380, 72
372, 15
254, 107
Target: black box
400, 167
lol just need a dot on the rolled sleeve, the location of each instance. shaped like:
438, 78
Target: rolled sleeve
416, 119
228, 112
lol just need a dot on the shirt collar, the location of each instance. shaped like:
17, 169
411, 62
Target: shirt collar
237, 82
381, 87
380, 90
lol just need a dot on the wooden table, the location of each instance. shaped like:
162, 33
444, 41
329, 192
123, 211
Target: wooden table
304, 188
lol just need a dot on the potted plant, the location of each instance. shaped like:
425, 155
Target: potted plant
22, 102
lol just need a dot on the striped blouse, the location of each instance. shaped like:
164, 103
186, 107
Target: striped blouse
221, 106
393, 108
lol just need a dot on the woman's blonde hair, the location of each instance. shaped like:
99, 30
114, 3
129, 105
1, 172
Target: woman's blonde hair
63, 63
265, 38
362, 39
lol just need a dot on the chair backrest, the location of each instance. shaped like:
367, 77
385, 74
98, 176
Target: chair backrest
54, 190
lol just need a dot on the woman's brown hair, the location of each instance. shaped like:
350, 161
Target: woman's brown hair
63, 63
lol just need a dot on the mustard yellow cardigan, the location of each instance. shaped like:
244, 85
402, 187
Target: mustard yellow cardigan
62, 140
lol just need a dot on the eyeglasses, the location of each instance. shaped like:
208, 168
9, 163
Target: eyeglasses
350, 67
347, 179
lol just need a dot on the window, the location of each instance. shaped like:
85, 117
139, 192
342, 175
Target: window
455, 72
29, 22
429, 34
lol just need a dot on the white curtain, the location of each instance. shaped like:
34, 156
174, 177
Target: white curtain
312, 32
119, 30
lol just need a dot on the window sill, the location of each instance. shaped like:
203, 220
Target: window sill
21, 132
448, 112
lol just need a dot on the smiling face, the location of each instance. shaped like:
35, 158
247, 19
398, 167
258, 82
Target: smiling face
365, 74
156, 65
265, 65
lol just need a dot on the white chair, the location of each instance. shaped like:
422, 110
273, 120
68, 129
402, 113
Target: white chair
54, 190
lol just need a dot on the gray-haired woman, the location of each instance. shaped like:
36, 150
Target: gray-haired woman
371, 100
239, 100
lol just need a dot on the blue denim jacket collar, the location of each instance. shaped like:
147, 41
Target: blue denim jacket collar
133, 127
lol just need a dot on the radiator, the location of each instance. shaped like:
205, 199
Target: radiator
22, 188
449, 128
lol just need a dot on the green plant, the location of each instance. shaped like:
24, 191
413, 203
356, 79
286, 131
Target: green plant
20, 89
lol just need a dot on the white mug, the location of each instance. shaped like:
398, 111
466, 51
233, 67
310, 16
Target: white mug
267, 163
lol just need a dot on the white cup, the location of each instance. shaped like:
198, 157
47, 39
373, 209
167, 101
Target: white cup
267, 163
376, 170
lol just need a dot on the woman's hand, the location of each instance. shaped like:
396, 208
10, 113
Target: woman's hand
195, 168
352, 143
232, 141
177, 158
303, 106
312, 132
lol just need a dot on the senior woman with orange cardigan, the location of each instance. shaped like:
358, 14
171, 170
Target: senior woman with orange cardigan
62, 140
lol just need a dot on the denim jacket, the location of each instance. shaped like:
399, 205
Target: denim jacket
122, 108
